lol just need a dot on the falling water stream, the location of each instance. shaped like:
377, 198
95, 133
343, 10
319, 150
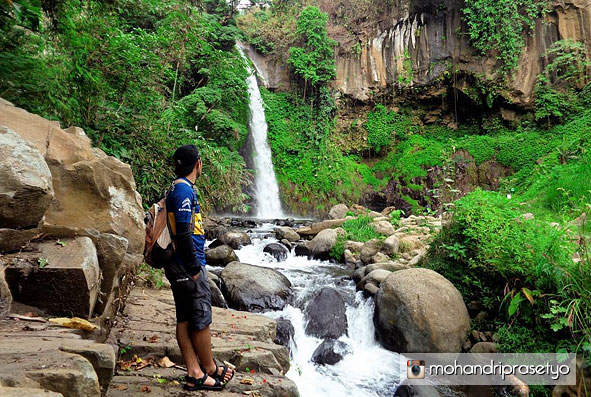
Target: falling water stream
268, 204
369, 370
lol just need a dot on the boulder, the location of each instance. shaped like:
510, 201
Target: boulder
390, 246
380, 257
383, 227
276, 250
15, 239
371, 289
62, 278
220, 256
285, 332
409, 243
5, 295
418, 310
215, 232
350, 259
353, 246
287, 244
235, 239
316, 228
215, 243
330, 352
326, 314
254, 288
376, 278
484, 347
26, 188
302, 249
324, 241
27, 392
217, 298
390, 266
338, 211
416, 391
358, 274
284, 232
369, 249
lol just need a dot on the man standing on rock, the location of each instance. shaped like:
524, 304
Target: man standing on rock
188, 277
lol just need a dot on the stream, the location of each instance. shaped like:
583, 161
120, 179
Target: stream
369, 370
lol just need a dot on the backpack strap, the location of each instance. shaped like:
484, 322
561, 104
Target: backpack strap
193, 207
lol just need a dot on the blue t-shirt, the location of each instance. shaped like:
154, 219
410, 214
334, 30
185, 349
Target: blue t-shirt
180, 203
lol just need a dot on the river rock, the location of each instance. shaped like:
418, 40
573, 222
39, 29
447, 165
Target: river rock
369, 249
330, 352
254, 288
220, 256
285, 332
353, 246
416, 391
26, 188
390, 266
316, 228
383, 227
236, 239
376, 278
408, 243
284, 232
358, 274
287, 244
278, 251
418, 310
371, 289
63, 279
338, 211
217, 298
349, 257
324, 241
390, 246
380, 257
216, 232
216, 243
326, 314
484, 347
302, 249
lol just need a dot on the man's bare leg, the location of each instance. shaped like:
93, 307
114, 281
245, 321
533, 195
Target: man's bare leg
188, 353
202, 345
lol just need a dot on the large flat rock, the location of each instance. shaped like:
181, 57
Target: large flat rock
146, 329
62, 277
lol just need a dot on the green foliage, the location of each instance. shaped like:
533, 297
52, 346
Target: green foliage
153, 278
141, 77
522, 269
556, 91
359, 229
381, 127
313, 60
337, 251
500, 24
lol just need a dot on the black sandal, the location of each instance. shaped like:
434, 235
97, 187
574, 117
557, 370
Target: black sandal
199, 384
220, 377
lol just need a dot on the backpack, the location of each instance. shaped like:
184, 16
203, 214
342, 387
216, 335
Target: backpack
159, 246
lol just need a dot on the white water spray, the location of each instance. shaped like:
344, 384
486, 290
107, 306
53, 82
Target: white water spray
268, 204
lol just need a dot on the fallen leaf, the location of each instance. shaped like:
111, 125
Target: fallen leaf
125, 365
247, 381
74, 322
161, 380
165, 362
27, 318
119, 387
153, 339
146, 389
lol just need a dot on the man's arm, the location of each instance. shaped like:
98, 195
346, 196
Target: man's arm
185, 247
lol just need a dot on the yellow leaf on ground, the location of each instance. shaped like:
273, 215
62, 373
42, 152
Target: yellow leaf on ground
74, 322
165, 362
247, 381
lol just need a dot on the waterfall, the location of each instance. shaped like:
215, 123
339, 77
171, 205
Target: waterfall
268, 204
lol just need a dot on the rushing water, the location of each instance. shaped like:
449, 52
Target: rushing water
369, 370
268, 204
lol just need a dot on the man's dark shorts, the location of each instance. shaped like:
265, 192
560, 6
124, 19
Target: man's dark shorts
192, 299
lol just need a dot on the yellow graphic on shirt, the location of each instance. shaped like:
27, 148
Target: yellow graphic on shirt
198, 221
198, 230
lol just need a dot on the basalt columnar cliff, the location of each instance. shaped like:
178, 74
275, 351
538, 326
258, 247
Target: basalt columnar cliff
423, 42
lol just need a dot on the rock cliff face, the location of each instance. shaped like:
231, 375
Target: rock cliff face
71, 221
417, 41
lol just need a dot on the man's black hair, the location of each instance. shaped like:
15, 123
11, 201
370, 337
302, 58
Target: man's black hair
185, 158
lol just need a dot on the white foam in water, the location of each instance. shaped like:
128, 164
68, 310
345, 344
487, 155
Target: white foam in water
268, 204
369, 370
